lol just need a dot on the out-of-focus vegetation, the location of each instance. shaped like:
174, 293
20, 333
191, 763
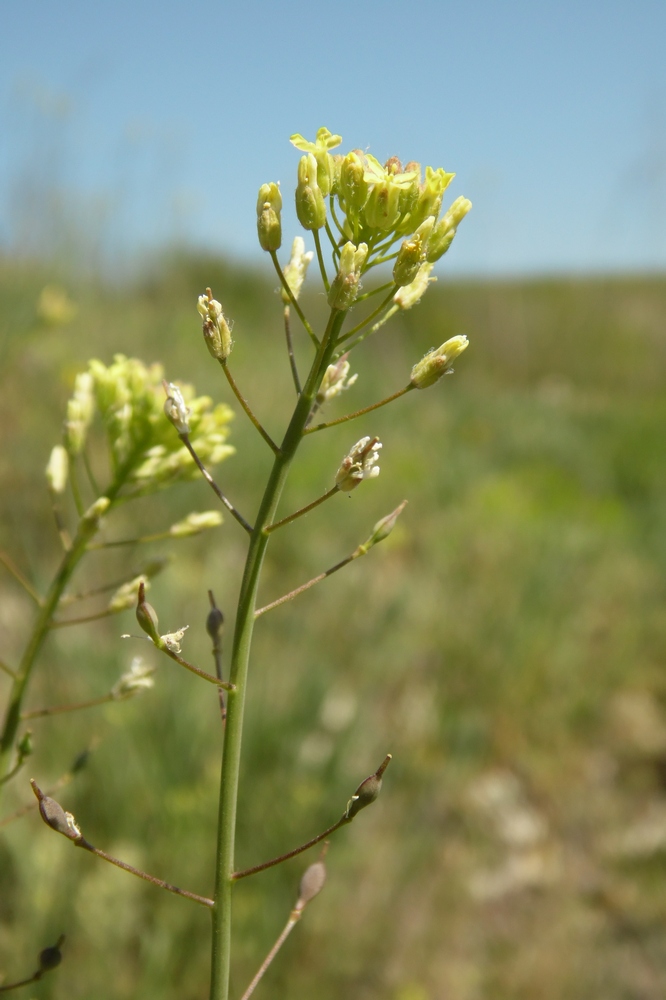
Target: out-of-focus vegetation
507, 644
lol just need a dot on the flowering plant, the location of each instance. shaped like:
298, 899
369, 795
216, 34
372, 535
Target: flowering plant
361, 215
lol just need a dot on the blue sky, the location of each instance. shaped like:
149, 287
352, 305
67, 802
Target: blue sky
144, 123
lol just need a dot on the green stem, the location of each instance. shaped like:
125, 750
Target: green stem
373, 314
221, 930
294, 302
360, 413
320, 260
303, 510
246, 407
86, 529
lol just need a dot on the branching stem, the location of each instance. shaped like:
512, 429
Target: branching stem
213, 485
293, 299
306, 586
344, 819
303, 510
290, 351
160, 883
246, 407
360, 413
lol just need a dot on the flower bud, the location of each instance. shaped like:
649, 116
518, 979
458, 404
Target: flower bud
344, 287
80, 411
310, 205
410, 295
137, 678
269, 225
57, 469
24, 746
216, 329
358, 465
195, 523
430, 197
295, 271
335, 381
445, 229
412, 255
367, 791
382, 529
437, 362
353, 187
175, 409
93, 516
382, 209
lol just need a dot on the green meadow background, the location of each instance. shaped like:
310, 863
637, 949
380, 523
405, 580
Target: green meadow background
507, 645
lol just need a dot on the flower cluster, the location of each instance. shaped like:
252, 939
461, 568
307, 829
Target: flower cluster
127, 396
371, 206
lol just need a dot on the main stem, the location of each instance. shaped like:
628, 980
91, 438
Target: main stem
221, 931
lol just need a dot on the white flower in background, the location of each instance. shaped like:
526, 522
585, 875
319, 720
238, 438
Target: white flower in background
137, 678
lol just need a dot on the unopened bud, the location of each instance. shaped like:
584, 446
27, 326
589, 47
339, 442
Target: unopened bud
353, 185
444, 231
438, 362
57, 469
344, 287
92, 517
24, 745
195, 523
367, 791
137, 678
310, 204
412, 255
175, 409
382, 529
410, 295
125, 596
335, 381
269, 225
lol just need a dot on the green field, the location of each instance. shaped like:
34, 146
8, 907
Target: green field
507, 645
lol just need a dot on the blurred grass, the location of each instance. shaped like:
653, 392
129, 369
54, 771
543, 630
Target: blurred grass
506, 644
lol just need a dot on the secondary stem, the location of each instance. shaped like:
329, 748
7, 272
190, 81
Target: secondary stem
221, 931
40, 630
